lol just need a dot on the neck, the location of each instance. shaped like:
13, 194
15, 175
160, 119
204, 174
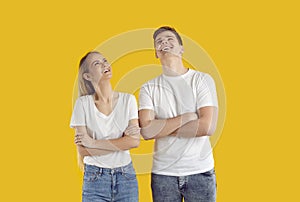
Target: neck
173, 66
104, 92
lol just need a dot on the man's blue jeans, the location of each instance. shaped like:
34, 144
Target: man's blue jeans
105, 184
193, 188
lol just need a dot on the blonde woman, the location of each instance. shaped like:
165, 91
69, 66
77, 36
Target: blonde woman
106, 127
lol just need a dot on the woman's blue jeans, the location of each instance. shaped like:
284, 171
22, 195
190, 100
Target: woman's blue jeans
105, 184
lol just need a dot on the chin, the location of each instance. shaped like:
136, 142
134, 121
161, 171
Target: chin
169, 55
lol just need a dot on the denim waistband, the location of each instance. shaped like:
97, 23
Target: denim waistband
122, 169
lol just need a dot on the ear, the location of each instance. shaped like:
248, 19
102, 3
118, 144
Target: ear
181, 50
156, 54
86, 76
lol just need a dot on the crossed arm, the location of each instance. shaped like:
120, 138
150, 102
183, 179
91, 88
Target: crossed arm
187, 125
87, 146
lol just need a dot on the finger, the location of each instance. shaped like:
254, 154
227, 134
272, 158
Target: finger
132, 126
134, 130
78, 135
78, 140
137, 136
131, 132
79, 143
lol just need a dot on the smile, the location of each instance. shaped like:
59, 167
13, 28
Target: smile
166, 48
106, 71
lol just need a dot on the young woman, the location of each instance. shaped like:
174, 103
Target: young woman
106, 127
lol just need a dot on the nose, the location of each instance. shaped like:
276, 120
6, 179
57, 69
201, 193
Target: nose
106, 64
165, 41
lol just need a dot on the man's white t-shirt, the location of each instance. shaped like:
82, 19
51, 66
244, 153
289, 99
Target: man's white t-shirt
170, 97
99, 125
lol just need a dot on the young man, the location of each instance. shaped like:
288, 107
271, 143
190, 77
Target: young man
179, 110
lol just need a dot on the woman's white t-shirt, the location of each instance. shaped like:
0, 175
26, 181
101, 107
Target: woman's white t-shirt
102, 126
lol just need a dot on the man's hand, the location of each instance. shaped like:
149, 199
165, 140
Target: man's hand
189, 116
186, 117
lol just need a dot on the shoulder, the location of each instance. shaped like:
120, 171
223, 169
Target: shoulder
126, 96
197, 74
83, 102
84, 99
201, 76
153, 81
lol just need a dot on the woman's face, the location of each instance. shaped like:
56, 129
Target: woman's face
99, 68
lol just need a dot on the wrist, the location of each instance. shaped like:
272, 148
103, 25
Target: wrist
95, 144
185, 118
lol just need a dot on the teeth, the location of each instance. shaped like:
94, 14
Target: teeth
166, 48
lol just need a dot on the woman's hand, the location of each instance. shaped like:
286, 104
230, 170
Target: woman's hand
133, 131
84, 139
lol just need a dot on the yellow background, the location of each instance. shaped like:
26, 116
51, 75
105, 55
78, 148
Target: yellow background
255, 45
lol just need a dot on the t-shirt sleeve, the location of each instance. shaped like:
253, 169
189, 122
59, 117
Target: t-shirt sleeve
206, 92
133, 111
145, 100
78, 115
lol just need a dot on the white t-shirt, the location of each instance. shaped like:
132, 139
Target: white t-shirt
85, 113
170, 97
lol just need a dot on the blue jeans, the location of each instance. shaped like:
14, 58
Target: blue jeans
193, 188
105, 184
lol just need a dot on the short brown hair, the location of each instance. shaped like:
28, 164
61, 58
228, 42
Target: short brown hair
167, 28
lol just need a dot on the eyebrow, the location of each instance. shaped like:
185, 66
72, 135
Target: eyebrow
95, 62
165, 36
101, 62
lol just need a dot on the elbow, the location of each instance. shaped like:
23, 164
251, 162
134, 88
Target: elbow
148, 138
203, 133
147, 131
135, 143
209, 131
146, 135
211, 128
82, 151
206, 131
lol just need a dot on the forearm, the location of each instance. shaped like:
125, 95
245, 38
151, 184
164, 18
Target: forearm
119, 144
204, 126
158, 128
84, 151
196, 128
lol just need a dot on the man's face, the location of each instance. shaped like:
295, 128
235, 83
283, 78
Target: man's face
166, 43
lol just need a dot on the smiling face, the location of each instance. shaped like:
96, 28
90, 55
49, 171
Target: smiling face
167, 44
98, 68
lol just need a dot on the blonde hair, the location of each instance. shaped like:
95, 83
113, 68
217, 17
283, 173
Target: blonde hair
85, 87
